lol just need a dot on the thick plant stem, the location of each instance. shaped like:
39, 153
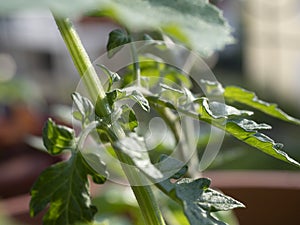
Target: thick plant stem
83, 64
143, 194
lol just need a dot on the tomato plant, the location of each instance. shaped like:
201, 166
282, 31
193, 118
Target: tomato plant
155, 86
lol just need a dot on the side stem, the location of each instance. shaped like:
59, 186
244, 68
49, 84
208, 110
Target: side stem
136, 64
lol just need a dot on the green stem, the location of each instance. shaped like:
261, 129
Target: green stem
136, 64
144, 195
83, 64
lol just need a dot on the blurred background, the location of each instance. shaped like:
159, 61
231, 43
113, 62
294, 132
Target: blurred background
37, 78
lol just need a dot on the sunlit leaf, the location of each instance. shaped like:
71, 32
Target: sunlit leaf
113, 77
232, 121
140, 99
221, 110
195, 196
65, 187
115, 95
84, 109
57, 138
128, 120
246, 131
135, 95
240, 95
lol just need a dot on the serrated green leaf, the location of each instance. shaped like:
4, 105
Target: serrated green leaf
240, 95
214, 201
195, 196
135, 147
199, 203
246, 131
65, 187
113, 77
85, 111
117, 39
250, 125
57, 138
259, 141
239, 127
199, 24
236, 94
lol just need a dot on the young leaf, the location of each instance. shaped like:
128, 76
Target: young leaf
85, 109
115, 95
140, 99
195, 196
128, 119
240, 95
135, 95
117, 38
65, 186
113, 77
135, 147
57, 138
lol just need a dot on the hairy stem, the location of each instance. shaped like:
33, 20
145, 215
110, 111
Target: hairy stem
80, 58
143, 194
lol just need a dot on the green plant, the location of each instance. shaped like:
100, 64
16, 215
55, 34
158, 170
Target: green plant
196, 24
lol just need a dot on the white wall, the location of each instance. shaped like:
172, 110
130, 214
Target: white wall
272, 46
